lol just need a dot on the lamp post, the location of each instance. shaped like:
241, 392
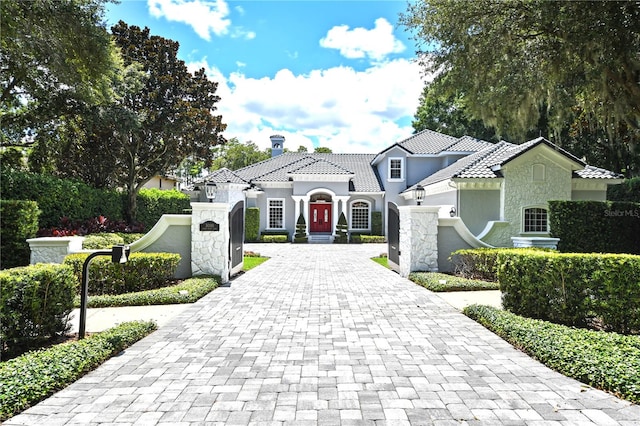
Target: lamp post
119, 254
418, 194
210, 190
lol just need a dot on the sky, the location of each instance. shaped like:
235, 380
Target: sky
336, 74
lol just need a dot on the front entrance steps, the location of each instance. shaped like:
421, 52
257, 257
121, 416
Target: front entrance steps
320, 239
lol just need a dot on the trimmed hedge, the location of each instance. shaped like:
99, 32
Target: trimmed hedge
29, 379
376, 223
596, 226
251, 224
363, 238
18, 222
432, 281
481, 263
274, 238
629, 190
572, 288
35, 303
607, 361
153, 203
143, 271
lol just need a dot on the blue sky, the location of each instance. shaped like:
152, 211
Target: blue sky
339, 74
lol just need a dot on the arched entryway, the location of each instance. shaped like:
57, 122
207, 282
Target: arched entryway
321, 214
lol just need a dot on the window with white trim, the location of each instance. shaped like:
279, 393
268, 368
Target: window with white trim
535, 220
396, 168
360, 213
275, 218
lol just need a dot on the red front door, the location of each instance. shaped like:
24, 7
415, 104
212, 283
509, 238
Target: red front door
320, 217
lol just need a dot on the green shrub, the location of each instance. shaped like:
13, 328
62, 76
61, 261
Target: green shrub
572, 288
607, 361
153, 203
595, 226
371, 239
301, 230
376, 223
34, 305
252, 224
342, 230
274, 238
102, 241
143, 271
478, 264
33, 377
629, 190
18, 222
128, 238
438, 282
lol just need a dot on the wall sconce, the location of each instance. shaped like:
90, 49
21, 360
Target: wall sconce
418, 194
210, 189
452, 212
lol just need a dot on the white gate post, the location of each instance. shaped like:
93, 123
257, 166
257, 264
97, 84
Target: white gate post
418, 239
210, 239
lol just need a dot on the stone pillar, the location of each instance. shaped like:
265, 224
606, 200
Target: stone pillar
53, 249
418, 239
210, 239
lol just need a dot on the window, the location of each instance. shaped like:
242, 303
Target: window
276, 214
396, 171
360, 215
535, 220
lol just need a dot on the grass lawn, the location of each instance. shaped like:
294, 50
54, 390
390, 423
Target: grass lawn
381, 261
251, 262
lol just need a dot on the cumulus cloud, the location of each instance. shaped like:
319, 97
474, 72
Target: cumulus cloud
375, 44
205, 17
340, 108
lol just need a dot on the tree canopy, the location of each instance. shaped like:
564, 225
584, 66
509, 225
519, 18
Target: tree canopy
235, 155
517, 62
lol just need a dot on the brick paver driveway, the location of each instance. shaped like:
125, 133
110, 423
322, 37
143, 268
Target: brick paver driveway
321, 335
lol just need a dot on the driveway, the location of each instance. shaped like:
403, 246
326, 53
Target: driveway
319, 334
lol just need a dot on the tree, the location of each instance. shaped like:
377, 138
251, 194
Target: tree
235, 155
517, 60
302, 148
322, 150
54, 55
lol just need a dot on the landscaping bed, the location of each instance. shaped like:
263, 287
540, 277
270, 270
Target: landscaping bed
438, 282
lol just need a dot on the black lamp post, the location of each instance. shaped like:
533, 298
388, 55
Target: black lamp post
210, 190
119, 254
418, 194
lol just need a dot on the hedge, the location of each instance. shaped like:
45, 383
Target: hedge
143, 271
252, 224
32, 377
376, 223
629, 190
153, 203
572, 288
438, 282
595, 226
18, 222
607, 361
363, 238
35, 302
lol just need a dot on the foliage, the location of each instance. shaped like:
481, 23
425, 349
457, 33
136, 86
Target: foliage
595, 226
252, 224
376, 223
34, 305
143, 271
102, 241
301, 230
438, 282
322, 150
96, 225
476, 264
18, 222
187, 291
153, 203
382, 261
371, 239
55, 55
519, 63
342, 230
607, 361
235, 155
251, 262
271, 238
572, 288
36, 375
629, 190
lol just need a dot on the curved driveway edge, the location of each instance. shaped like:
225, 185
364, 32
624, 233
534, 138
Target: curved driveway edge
319, 334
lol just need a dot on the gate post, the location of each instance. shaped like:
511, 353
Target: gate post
418, 239
210, 240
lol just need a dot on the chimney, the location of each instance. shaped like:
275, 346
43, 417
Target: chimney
277, 145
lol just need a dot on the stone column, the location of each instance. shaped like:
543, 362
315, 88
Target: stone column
53, 249
418, 239
210, 239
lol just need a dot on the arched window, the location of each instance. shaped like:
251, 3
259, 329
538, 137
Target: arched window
535, 220
360, 213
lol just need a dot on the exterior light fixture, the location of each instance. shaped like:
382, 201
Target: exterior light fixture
452, 212
210, 190
119, 254
418, 194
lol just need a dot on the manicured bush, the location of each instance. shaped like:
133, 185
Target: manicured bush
32, 377
572, 288
301, 230
18, 222
477, 264
153, 203
252, 224
607, 361
376, 223
35, 302
371, 239
342, 230
274, 238
629, 190
595, 226
438, 282
143, 271
102, 241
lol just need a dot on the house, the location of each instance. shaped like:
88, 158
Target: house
498, 190
163, 182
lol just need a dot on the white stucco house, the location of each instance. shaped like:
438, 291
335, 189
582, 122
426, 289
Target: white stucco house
498, 190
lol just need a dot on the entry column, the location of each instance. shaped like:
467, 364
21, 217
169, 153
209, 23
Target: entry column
210, 239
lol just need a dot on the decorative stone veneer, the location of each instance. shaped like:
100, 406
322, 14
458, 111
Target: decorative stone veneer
418, 239
53, 249
210, 249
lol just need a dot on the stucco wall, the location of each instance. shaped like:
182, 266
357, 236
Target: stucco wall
589, 195
478, 207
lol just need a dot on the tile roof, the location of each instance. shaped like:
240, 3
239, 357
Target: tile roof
591, 172
321, 167
223, 175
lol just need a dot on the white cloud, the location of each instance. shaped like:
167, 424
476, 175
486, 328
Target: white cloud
203, 16
375, 44
346, 110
